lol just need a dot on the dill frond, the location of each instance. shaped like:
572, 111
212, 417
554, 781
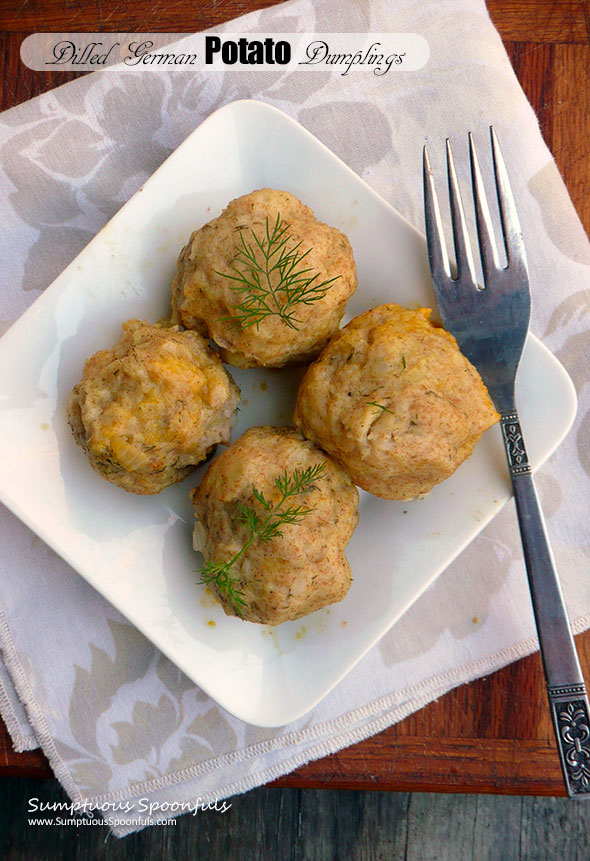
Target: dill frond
379, 406
220, 575
269, 278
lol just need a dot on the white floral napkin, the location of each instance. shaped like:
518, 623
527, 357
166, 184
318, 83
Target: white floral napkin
121, 726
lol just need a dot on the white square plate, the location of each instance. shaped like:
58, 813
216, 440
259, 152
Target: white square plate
136, 550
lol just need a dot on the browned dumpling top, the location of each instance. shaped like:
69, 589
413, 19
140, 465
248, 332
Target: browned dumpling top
299, 570
265, 280
394, 400
153, 406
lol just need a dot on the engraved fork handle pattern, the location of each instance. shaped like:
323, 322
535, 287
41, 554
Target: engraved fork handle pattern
568, 700
518, 461
569, 710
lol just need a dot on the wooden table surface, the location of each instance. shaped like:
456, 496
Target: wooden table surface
473, 739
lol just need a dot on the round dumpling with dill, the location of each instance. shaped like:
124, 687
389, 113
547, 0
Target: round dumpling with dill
265, 280
152, 407
394, 400
273, 517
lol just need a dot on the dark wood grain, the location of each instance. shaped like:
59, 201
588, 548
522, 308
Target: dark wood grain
534, 65
313, 825
541, 21
556, 21
571, 123
165, 16
493, 735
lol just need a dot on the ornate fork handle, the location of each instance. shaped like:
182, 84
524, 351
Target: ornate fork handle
565, 684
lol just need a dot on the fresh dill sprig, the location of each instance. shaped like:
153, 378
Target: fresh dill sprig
262, 528
220, 575
269, 279
380, 406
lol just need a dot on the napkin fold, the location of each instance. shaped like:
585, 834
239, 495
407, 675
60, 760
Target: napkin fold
122, 727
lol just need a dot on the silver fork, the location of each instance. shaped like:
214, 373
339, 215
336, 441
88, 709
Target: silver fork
491, 325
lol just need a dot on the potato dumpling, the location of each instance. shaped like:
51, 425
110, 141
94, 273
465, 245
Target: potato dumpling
303, 568
394, 401
265, 280
152, 407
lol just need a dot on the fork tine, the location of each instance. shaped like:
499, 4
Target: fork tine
485, 232
437, 250
511, 230
463, 253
